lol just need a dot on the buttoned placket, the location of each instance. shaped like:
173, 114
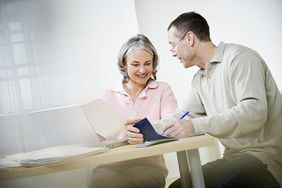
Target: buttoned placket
132, 107
209, 73
208, 76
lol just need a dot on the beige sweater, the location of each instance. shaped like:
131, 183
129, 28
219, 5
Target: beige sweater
237, 100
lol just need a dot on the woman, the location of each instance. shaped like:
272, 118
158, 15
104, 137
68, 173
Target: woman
138, 96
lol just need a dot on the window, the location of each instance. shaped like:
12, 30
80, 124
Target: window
19, 81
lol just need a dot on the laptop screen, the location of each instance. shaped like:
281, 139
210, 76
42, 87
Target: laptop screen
64, 125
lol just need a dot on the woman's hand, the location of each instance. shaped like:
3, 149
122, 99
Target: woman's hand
133, 134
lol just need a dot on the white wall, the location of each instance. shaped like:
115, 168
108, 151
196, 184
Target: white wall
254, 23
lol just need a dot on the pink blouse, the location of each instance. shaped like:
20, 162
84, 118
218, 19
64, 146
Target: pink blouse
154, 102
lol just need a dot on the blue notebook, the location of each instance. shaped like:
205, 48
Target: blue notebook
151, 137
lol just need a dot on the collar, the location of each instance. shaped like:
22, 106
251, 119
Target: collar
118, 88
217, 58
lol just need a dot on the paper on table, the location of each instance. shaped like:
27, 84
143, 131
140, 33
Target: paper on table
154, 142
54, 154
103, 118
6, 163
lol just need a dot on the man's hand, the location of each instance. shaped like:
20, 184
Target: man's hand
133, 134
180, 129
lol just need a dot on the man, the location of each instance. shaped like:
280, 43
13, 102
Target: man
234, 98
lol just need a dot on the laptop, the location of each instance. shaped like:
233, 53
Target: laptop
77, 124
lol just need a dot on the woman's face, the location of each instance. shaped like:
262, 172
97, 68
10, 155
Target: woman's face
139, 67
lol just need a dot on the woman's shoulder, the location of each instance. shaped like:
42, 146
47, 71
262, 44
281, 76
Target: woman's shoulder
116, 87
162, 85
112, 90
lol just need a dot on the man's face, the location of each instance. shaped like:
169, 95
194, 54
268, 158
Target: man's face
181, 48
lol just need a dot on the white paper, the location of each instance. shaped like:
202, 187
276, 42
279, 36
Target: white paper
103, 118
154, 142
54, 154
6, 163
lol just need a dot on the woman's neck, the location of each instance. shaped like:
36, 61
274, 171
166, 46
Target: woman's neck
133, 90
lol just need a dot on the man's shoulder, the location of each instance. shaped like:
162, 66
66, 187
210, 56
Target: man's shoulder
232, 50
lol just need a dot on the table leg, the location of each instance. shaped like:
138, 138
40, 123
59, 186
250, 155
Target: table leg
183, 167
196, 169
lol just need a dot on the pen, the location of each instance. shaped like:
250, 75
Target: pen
183, 116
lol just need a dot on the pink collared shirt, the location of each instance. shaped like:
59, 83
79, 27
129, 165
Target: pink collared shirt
154, 102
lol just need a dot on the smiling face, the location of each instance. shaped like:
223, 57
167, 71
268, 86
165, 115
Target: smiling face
139, 67
182, 47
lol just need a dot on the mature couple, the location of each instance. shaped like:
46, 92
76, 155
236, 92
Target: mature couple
233, 97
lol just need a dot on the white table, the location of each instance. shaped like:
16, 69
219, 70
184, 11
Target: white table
183, 147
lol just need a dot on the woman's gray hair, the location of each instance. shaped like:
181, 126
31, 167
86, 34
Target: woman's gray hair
138, 41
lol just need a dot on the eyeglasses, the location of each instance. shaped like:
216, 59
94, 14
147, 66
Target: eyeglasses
175, 44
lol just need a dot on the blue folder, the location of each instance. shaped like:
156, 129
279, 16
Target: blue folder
149, 132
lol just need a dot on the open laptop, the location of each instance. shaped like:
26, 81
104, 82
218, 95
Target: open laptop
77, 124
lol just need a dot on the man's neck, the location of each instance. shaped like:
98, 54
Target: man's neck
206, 51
